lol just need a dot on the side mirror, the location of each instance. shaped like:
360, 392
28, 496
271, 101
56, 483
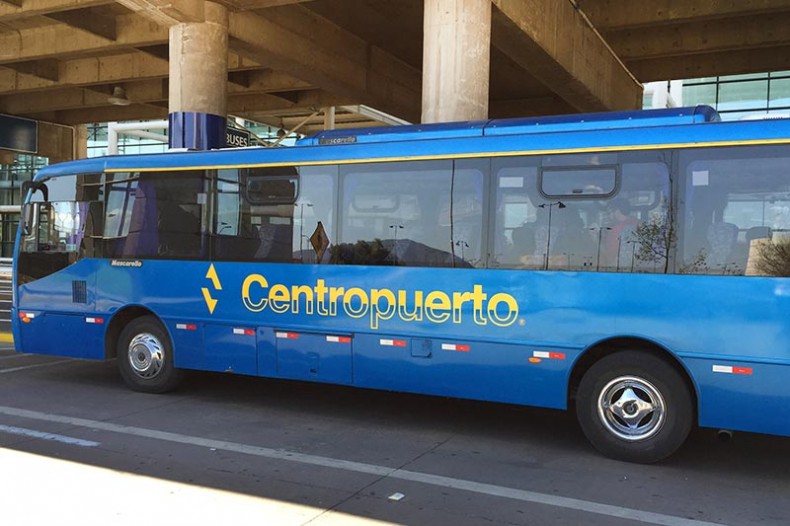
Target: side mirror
34, 186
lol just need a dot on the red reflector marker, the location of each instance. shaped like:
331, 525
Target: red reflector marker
186, 327
455, 347
287, 335
548, 355
338, 339
244, 332
97, 321
392, 343
729, 369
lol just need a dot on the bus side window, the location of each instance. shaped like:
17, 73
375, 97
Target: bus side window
736, 211
156, 215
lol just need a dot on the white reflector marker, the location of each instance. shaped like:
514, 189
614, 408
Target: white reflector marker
29, 315
287, 335
392, 343
729, 369
546, 355
186, 326
244, 332
97, 321
455, 347
338, 339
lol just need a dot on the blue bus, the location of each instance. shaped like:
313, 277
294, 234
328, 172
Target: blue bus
630, 266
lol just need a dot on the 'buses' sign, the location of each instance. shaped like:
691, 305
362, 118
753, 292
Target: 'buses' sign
235, 138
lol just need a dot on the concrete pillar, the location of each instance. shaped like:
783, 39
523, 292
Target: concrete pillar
56, 142
329, 118
81, 141
456, 59
198, 81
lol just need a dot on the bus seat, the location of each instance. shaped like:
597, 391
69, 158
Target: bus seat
758, 232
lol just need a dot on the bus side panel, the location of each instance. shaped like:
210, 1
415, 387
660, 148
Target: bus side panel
187, 341
742, 396
230, 348
75, 336
316, 357
56, 314
476, 370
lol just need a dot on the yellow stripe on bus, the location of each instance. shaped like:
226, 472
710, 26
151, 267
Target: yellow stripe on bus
589, 149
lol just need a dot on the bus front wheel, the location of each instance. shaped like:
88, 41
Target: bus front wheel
145, 356
634, 406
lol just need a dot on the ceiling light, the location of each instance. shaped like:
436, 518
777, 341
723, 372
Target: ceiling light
118, 97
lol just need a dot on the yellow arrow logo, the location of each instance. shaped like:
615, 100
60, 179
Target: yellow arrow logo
212, 275
211, 303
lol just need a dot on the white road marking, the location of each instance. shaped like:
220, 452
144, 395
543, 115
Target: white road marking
369, 469
34, 366
32, 433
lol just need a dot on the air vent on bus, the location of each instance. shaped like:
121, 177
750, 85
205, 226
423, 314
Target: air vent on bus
79, 291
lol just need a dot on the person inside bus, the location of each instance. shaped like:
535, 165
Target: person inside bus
522, 247
621, 230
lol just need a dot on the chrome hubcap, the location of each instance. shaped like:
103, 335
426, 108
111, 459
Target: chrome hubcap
631, 408
146, 355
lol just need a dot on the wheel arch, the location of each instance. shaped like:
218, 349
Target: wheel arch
119, 320
631, 343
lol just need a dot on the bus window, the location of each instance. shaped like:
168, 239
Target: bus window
735, 211
411, 213
281, 214
556, 216
314, 224
156, 215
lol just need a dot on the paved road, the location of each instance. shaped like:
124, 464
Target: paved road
76, 447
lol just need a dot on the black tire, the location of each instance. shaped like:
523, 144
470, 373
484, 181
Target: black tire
145, 357
634, 406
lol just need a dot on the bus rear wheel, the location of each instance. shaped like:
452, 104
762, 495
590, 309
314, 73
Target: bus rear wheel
634, 406
145, 357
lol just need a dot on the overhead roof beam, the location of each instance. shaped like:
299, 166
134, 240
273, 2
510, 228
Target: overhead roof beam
693, 38
16, 9
87, 20
167, 12
37, 43
243, 5
47, 69
559, 47
731, 62
85, 72
620, 14
74, 98
343, 63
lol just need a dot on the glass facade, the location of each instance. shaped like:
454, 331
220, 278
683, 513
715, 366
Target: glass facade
741, 96
11, 177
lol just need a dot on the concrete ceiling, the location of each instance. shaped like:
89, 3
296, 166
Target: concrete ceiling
61, 59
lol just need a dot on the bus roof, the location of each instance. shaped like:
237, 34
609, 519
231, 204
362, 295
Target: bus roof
559, 123
615, 131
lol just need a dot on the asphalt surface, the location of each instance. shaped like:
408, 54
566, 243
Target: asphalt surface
77, 447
